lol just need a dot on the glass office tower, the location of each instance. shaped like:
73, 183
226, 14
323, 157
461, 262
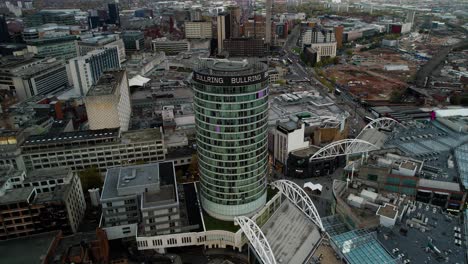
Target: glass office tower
231, 116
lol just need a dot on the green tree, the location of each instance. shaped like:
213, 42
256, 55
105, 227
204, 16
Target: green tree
90, 178
396, 96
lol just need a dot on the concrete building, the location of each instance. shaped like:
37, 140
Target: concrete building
49, 31
86, 70
39, 201
170, 47
60, 47
231, 112
324, 50
198, 30
141, 198
31, 76
103, 149
133, 41
288, 137
101, 41
108, 102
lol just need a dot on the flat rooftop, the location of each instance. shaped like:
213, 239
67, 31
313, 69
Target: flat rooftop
431, 142
47, 174
439, 232
292, 236
98, 40
107, 83
74, 136
223, 67
131, 180
30, 249
388, 210
16, 195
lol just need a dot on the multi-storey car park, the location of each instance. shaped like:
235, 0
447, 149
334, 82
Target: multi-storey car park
231, 116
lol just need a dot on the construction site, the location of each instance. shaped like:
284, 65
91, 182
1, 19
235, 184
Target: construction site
374, 74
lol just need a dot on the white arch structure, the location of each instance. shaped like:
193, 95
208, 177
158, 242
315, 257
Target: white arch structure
299, 197
354, 146
256, 238
383, 122
342, 148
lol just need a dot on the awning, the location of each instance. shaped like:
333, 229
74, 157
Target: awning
138, 80
312, 186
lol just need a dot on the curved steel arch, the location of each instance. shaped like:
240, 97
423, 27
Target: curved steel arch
342, 148
256, 238
383, 122
299, 197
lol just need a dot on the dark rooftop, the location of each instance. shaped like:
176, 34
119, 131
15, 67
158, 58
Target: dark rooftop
26, 250
107, 83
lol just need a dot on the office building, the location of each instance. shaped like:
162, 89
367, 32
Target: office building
102, 41
59, 46
4, 34
114, 17
235, 14
39, 201
108, 102
324, 50
133, 41
255, 27
288, 136
141, 197
41, 77
86, 70
49, 31
51, 16
244, 47
268, 6
223, 29
102, 149
32, 76
231, 113
170, 47
198, 30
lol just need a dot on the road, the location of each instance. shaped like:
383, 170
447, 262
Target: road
300, 72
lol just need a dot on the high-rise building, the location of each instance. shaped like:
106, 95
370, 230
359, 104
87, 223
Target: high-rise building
244, 47
108, 102
86, 70
236, 18
134, 40
224, 29
114, 17
198, 30
4, 34
268, 6
231, 117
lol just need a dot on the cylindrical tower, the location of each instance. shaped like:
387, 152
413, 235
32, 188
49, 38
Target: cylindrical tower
231, 117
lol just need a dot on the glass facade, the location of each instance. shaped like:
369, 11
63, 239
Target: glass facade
231, 119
